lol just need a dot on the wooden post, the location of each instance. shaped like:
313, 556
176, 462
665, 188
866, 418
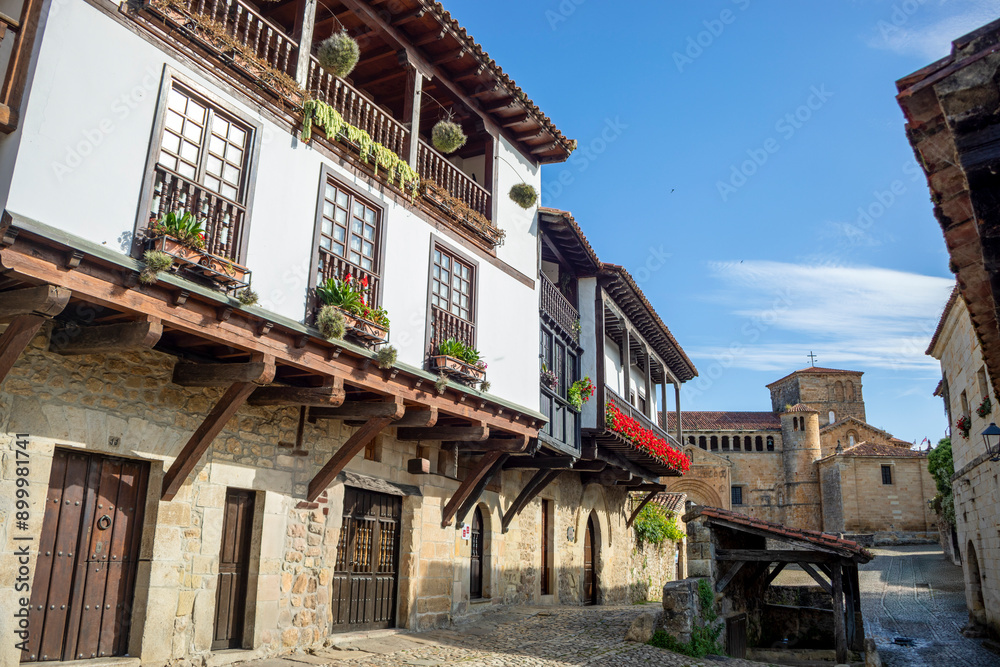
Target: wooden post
601, 379
15, 338
412, 99
839, 629
305, 22
663, 403
677, 407
650, 399
489, 171
626, 357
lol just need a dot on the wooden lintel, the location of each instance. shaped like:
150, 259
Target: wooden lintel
590, 466
635, 512
221, 375
418, 417
540, 463
817, 577
539, 481
728, 577
202, 438
472, 479
607, 477
773, 574
106, 337
460, 433
644, 488
480, 486
343, 456
330, 395
15, 338
777, 556
44, 301
515, 445
391, 408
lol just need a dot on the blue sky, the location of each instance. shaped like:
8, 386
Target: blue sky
747, 161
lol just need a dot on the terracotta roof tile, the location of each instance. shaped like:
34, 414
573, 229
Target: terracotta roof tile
940, 325
816, 370
879, 449
725, 421
800, 407
780, 531
671, 502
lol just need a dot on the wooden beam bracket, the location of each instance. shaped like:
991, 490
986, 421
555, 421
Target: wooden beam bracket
638, 508
480, 470
343, 456
541, 479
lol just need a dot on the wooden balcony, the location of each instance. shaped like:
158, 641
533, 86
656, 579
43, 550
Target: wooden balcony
557, 309
223, 220
436, 167
17, 38
618, 444
563, 428
335, 266
445, 325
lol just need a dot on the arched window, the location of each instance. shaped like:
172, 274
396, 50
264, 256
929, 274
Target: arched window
850, 391
725, 443
690, 439
838, 391
748, 443
476, 566
715, 443
760, 444
832, 416
736, 443
770, 443
852, 438
702, 442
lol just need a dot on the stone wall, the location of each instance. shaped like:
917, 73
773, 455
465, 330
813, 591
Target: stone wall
822, 393
867, 505
125, 405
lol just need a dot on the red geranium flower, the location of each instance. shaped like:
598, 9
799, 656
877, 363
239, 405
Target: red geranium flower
364, 282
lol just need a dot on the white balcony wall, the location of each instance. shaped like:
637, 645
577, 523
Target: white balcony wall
80, 167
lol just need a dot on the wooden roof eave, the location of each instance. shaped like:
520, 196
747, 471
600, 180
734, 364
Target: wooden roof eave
35, 253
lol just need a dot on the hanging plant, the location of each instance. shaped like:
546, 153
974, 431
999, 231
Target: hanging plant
524, 195
441, 384
338, 54
156, 261
247, 297
386, 357
447, 136
330, 322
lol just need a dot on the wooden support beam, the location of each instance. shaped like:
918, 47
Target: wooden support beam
773, 574
202, 438
460, 433
540, 463
330, 395
418, 417
590, 466
305, 25
343, 456
517, 119
776, 556
44, 301
472, 479
817, 577
513, 445
220, 375
534, 486
839, 627
106, 338
480, 486
635, 512
607, 477
728, 577
15, 338
391, 408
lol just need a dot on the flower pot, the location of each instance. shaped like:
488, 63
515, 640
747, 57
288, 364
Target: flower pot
182, 254
364, 330
457, 367
224, 271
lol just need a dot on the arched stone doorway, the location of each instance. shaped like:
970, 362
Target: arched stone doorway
591, 547
699, 492
974, 586
476, 557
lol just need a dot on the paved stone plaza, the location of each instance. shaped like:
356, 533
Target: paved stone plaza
522, 636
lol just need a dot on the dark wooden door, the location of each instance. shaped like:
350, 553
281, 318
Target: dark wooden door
365, 577
476, 566
234, 570
82, 592
590, 564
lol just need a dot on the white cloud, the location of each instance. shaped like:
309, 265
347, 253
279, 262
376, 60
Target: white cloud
863, 317
917, 27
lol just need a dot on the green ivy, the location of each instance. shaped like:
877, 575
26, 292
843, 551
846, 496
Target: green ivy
941, 466
653, 526
704, 636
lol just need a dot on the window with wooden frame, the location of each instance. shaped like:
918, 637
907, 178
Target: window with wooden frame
737, 495
452, 299
202, 162
349, 236
887, 474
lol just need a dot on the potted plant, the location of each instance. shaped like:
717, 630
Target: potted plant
580, 392
549, 379
985, 408
351, 297
460, 360
224, 270
964, 425
178, 234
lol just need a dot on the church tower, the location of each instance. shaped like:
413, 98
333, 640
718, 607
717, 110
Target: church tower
800, 449
834, 394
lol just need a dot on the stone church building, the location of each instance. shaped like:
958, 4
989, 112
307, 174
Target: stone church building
811, 462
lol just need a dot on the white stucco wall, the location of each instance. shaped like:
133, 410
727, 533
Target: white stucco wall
80, 167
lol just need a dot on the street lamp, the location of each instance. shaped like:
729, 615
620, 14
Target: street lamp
991, 438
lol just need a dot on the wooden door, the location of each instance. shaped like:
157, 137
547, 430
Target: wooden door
476, 566
365, 576
234, 570
590, 564
82, 592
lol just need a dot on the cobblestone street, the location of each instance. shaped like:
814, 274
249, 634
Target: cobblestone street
912, 591
521, 636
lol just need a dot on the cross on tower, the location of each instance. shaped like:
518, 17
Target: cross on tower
812, 358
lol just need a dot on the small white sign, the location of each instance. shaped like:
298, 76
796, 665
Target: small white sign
466, 531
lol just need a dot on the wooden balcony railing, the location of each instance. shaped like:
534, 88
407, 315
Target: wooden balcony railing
611, 397
335, 266
558, 308
17, 36
434, 166
356, 108
222, 219
564, 422
444, 325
